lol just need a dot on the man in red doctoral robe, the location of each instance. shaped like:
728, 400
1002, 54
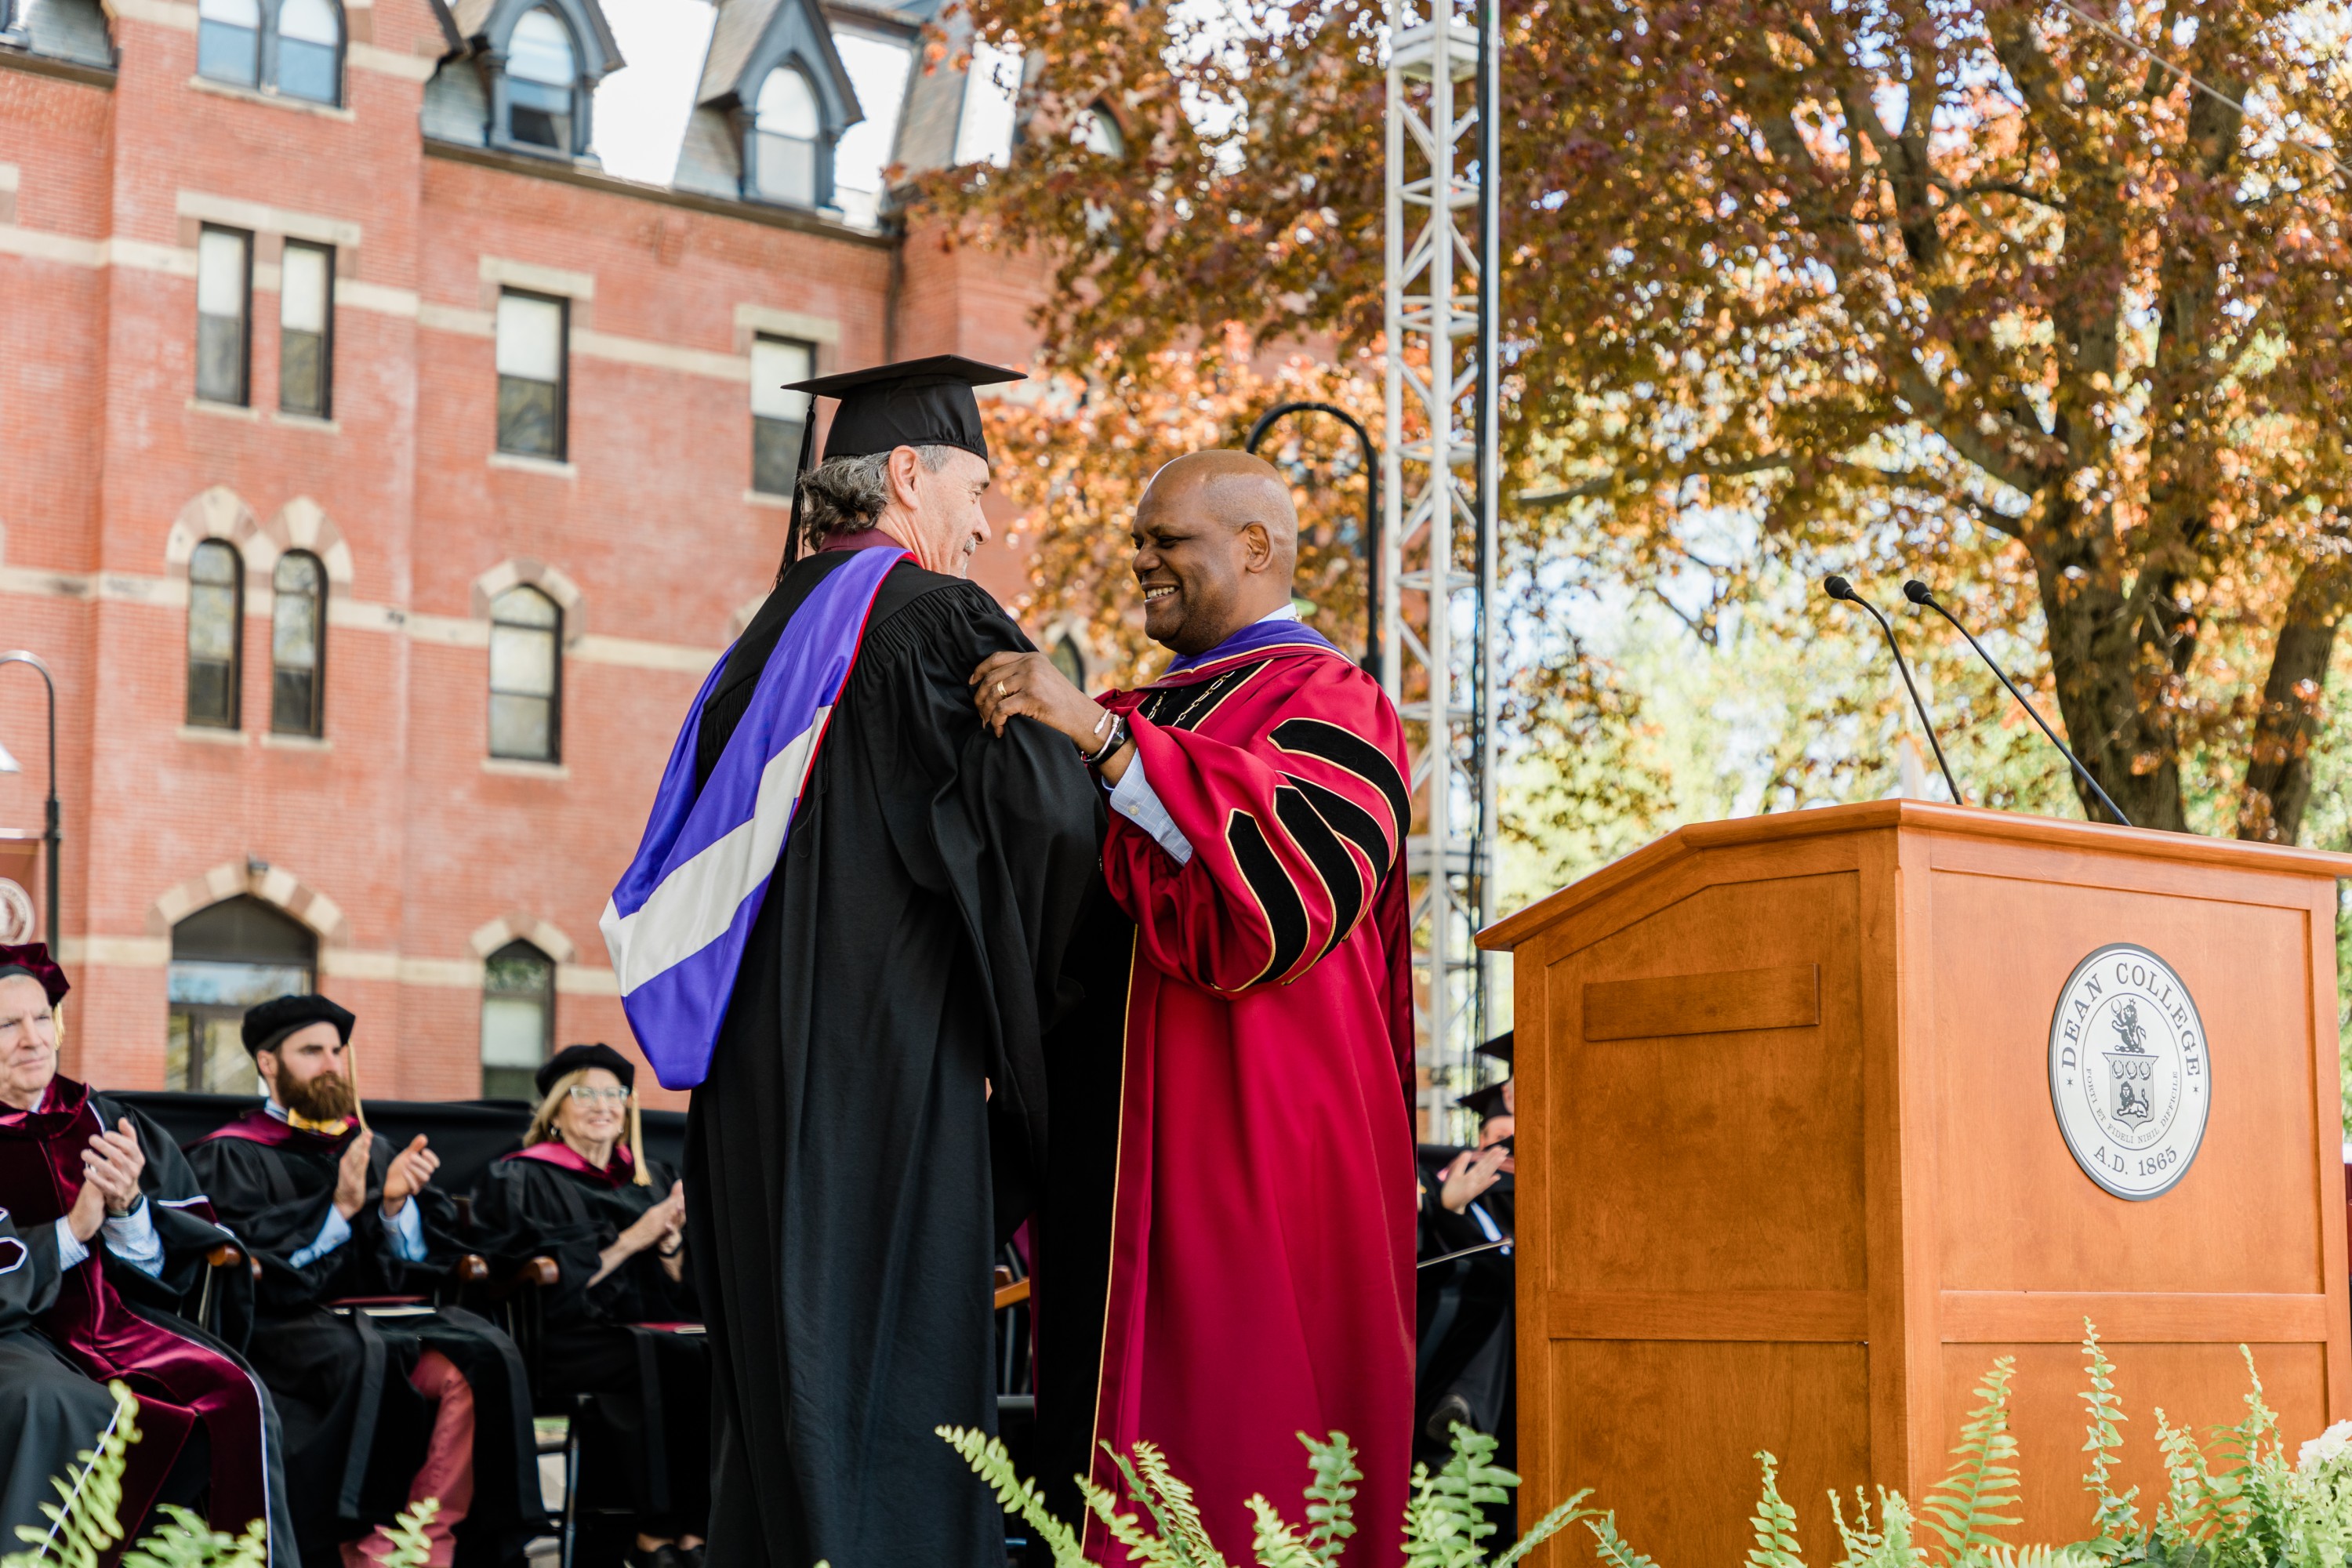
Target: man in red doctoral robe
1225, 1250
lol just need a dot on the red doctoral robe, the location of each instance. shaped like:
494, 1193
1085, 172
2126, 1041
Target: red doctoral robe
1259, 1283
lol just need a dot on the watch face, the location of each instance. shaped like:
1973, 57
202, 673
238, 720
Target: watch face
2130, 1074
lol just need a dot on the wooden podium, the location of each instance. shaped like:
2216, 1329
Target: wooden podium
1791, 1172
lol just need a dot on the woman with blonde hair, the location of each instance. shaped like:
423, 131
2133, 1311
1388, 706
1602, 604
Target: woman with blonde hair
621, 1323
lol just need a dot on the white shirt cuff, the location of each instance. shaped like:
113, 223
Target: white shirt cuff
408, 1233
71, 1253
132, 1238
1134, 798
333, 1234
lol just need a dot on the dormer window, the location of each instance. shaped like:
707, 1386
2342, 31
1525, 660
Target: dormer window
1098, 134
543, 83
293, 46
785, 129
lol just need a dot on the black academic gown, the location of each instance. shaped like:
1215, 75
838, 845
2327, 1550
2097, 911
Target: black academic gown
356, 1431
1465, 1326
625, 1339
51, 1408
845, 1172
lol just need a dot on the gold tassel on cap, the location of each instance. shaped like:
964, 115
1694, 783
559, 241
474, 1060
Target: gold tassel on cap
351, 1071
643, 1177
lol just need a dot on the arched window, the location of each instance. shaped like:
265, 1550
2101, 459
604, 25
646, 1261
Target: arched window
1097, 131
215, 625
225, 959
526, 676
518, 1020
228, 41
541, 76
310, 50
297, 644
1070, 659
785, 127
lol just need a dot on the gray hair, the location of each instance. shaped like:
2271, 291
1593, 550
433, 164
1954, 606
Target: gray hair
847, 495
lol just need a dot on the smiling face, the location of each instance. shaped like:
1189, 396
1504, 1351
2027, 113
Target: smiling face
1215, 541
29, 1042
936, 512
597, 1116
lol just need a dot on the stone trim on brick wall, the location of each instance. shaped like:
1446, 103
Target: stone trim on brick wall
219, 512
549, 580
516, 926
271, 884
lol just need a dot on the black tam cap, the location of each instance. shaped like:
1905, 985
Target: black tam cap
1487, 1103
271, 1022
1499, 1047
578, 1058
914, 403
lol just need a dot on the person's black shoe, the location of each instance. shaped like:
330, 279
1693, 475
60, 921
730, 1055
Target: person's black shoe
690, 1556
1451, 1410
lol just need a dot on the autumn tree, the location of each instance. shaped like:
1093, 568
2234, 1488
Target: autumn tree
2015, 294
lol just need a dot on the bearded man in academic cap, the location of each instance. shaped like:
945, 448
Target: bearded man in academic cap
102, 1231
388, 1401
843, 931
1225, 1254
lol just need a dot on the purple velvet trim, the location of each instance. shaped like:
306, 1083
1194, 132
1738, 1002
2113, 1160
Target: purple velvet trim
1258, 636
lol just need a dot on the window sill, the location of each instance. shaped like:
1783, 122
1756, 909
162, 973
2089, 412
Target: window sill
276, 100
761, 498
305, 422
224, 410
516, 768
277, 741
212, 737
518, 463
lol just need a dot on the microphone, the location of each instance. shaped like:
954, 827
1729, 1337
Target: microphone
1837, 588
1918, 594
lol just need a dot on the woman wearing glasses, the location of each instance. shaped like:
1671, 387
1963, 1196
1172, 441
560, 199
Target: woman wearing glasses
621, 1323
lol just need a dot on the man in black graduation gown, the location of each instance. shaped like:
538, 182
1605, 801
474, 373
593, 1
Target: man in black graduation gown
102, 1233
874, 1109
383, 1407
1467, 1362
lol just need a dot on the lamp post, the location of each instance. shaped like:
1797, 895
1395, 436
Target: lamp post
50, 835
1371, 511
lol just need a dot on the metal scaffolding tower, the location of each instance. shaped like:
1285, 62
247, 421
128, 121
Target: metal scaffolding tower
1438, 487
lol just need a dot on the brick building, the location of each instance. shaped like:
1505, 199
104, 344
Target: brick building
384, 475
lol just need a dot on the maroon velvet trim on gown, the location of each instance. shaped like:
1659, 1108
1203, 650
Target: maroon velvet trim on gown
179, 1382
556, 1151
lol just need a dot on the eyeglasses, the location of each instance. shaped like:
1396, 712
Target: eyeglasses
588, 1095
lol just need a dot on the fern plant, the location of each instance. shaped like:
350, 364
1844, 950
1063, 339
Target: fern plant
1963, 1506
2115, 1519
85, 1523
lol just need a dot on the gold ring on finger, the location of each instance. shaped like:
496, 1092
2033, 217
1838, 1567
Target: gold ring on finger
1000, 689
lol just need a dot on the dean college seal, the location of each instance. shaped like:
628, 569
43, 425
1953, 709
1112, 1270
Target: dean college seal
2130, 1076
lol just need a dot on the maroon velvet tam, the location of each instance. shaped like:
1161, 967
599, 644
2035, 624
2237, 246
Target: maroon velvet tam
33, 958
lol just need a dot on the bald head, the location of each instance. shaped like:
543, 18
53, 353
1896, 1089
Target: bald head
1216, 540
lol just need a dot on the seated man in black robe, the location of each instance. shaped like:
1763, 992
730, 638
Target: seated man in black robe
386, 1400
1466, 1359
102, 1231
621, 1323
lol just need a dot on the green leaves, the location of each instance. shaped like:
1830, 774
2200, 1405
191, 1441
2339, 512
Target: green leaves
2115, 1519
989, 1460
1776, 1523
1966, 1504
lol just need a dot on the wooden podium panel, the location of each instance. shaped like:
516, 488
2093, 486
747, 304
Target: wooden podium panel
1790, 1177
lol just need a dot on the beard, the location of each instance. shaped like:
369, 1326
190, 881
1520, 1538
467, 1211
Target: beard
325, 1098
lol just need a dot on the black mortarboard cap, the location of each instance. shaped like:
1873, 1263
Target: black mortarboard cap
1499, 1047
913, 402
1487, 1103
578, 1058
271, 1022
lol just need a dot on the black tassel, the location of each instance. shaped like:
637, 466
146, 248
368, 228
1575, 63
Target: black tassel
793, 528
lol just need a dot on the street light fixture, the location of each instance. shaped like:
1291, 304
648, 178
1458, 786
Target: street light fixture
1371, 511
50, 835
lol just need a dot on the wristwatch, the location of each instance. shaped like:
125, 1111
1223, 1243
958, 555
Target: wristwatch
1117, 738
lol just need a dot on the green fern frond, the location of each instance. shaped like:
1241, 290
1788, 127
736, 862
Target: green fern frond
1330, 1495
2114, 1519
1125, 1530
992, 1464
1272, 1541
2196, 1508
85, 1522
1611, 1547
1172, 1507
1775, 1522
1966, 1504
1546, 1527
1446, 1522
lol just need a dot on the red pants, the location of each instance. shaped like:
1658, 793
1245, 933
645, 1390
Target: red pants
448, 1470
